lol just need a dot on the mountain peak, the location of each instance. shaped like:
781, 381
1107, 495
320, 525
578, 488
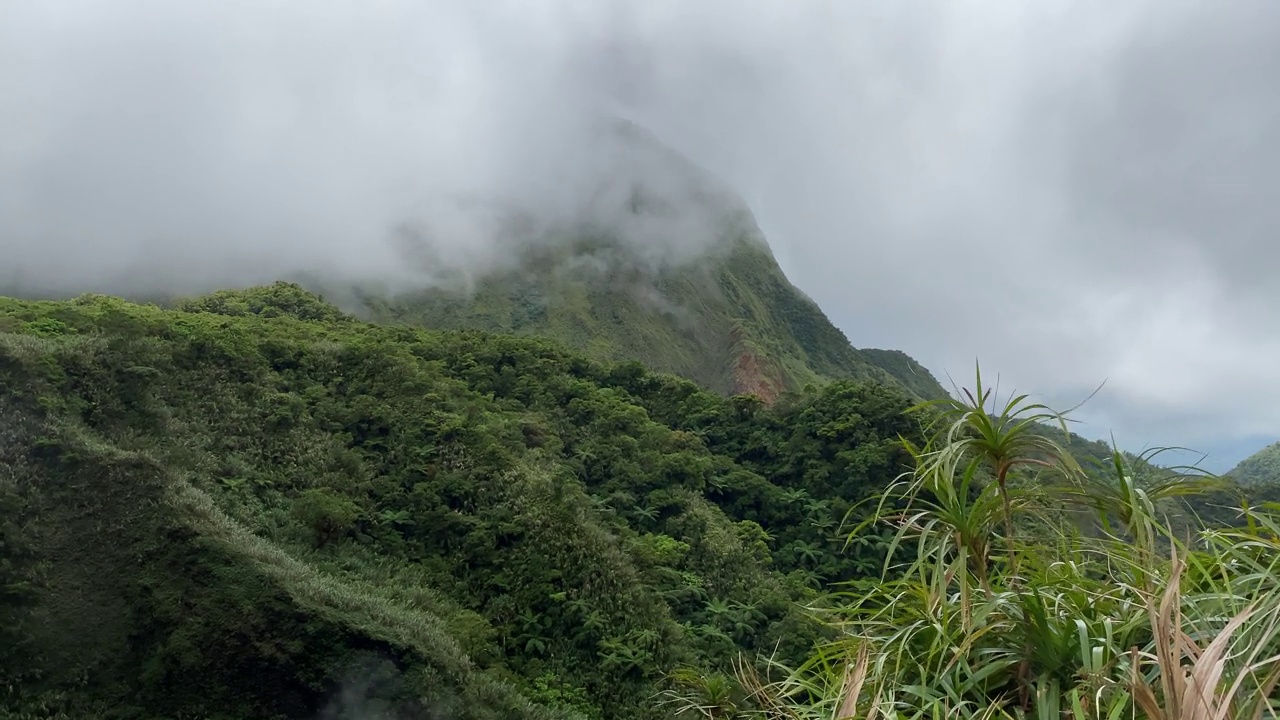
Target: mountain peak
730, 321
657, 260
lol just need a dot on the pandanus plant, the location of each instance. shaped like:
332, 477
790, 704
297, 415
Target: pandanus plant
981, 439
1132, 622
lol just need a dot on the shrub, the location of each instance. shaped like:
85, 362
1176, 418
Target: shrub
329, 516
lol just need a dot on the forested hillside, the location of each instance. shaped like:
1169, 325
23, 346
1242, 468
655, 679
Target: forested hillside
731, 322
253, 506
1260, 468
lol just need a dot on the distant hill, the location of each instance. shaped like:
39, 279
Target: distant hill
1262, 467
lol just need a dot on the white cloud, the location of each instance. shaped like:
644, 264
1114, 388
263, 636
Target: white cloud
1070, 191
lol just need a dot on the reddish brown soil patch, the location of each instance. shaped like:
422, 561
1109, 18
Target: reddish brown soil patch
753, 374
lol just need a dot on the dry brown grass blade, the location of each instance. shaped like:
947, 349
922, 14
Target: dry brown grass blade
1190, 691
1171, 644
1201, 700
854, 678
1142, 693
771, 706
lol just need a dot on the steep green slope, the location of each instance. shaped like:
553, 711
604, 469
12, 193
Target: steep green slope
1255, 481
1261, 468
730, 320
255, 507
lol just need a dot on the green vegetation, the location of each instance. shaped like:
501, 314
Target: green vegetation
251, 506
982, 620
731, 322
1263, 467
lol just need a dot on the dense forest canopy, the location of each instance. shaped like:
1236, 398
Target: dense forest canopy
252, 505
252, 495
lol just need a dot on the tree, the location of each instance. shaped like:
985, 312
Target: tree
16, 591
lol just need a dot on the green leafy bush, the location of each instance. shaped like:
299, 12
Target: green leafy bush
328, 515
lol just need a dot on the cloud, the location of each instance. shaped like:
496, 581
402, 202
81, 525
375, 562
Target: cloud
1071, 191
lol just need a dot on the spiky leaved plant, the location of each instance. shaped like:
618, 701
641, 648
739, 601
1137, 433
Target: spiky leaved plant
1086, 626
979, 437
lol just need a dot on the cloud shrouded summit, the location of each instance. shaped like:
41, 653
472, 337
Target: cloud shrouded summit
1071, 191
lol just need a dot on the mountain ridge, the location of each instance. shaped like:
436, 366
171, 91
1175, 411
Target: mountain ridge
730, 320
1262, 467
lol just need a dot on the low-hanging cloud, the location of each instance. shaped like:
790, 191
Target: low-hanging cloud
158, 146
1070, 191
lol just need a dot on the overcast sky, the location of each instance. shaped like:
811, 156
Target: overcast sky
1071, 191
